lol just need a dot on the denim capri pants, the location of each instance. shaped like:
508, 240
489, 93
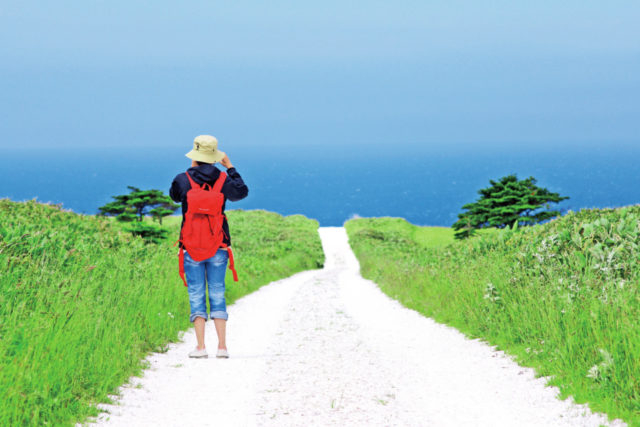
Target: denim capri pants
209, 272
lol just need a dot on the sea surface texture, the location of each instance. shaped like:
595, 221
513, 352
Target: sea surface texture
425, 186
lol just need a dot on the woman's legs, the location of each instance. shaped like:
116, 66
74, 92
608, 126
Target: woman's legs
221, 330
195, 275
199, 325
216, 269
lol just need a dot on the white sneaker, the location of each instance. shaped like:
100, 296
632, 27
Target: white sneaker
222, 354
198, 354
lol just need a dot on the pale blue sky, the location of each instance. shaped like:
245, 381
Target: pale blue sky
414, 73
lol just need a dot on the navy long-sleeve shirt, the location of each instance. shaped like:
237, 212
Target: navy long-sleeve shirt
233, 189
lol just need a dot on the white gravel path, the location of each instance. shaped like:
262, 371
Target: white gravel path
327, 347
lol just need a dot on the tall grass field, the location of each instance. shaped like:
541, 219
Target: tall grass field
562, 297
82, 302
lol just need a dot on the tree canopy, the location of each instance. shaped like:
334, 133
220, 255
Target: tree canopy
138, 203
134, 206
507, 202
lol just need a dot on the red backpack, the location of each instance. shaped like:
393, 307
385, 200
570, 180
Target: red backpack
202, 233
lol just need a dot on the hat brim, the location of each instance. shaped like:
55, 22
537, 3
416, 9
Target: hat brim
199, 156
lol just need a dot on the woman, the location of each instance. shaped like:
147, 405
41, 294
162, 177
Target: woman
210, 271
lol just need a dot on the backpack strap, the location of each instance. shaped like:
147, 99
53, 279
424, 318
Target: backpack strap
191, 181
181, 260
181, 266
217, 187
232, 265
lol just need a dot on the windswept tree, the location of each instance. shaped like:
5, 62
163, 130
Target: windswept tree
134, 206
138, 203
508, 202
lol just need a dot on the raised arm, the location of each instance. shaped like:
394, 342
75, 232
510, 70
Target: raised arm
234, 188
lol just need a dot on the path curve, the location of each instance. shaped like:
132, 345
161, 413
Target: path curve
327, 347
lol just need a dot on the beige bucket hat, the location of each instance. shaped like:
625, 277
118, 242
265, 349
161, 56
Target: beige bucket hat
205, 149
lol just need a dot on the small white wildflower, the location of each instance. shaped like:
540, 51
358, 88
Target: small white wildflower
170, 315
597, 371
594, 372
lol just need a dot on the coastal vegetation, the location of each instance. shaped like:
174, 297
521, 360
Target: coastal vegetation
562, 297
508, 202
82, 301
135, 206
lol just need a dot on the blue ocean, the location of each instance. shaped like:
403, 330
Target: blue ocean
424, 185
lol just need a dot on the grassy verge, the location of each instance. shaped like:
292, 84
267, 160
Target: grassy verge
562, 297
82, 303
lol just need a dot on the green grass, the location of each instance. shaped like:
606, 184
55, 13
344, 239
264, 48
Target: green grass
82, 302
562, 297
426, 237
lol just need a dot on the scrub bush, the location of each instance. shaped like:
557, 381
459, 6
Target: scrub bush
562, 297
82, 301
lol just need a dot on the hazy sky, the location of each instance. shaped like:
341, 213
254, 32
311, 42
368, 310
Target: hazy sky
423, 73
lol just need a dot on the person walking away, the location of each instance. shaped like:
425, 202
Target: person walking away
208, 273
